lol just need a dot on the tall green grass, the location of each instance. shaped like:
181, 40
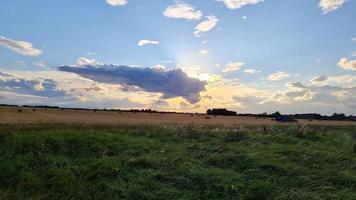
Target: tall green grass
176, 162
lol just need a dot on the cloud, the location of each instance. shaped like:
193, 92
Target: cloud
86, 61
335, 96
235, 4
296, 86
116, 2
347, 64
233, 66
305, 96
310, 98
40, 64
78, 91
183, 105
353, 39
160, 103
159, 67
247, 101
353, 54
146, 42
279, 75
204, 52
36, 87
205, 26
250, 71
319, 80
21, 47
20, 99
342, 81
171, 83
182, 11
196, 72
330, 5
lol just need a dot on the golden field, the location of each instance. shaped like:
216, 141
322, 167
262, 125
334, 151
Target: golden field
19, 115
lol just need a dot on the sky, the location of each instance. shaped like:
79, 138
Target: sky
251, 56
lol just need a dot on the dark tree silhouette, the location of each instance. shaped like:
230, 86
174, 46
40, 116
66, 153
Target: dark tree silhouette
221, 111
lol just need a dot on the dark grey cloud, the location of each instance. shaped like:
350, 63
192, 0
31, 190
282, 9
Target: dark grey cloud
171, 83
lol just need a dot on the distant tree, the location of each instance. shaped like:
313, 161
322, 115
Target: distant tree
276, 114
337, 116
221, 111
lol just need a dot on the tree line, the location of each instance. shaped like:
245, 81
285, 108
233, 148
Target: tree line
307, 116
214, 111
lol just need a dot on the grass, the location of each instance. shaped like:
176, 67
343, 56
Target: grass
176, 162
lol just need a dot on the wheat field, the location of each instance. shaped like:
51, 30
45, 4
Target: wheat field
18, 115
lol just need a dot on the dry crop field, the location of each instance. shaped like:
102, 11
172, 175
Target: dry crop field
9, 115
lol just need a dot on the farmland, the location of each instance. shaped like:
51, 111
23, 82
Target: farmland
15, 115
69, 154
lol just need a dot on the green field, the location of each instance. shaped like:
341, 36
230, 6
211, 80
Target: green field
176, 162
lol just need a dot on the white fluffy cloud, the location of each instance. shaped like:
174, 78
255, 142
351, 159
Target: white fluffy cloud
116, 2
235, 4
233, 66
279, 75
347, 64
330, 5
206, 25
21, 47
146, 42
182, 11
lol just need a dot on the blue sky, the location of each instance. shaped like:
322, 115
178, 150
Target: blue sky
249, 54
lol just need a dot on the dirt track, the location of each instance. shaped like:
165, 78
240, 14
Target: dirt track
11, 115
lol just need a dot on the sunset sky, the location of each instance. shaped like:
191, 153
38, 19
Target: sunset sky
252, 56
